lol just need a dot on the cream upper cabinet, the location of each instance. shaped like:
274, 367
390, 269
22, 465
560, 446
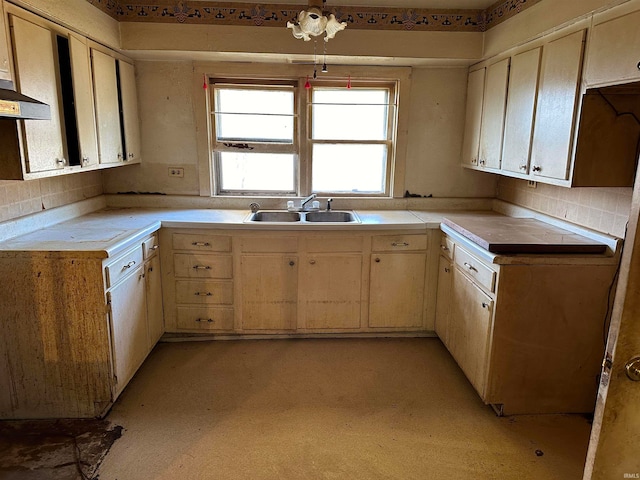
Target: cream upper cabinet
473, 119
130, 119
34, 54
493, 112
556, 107
105, 83
614, 50
521, 102
5, 67
83, 101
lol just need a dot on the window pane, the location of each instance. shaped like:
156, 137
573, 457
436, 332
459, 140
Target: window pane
256, 172
254, 115
349, 168
354, 114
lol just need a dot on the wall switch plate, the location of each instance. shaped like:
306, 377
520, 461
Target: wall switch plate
176, 172
532, 184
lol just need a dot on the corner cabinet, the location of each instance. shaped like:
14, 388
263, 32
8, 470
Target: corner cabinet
524, 355
53, 65
75, 329
297, 282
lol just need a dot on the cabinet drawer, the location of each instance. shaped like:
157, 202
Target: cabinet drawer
211, 292
334, 244
269, 244
204, 318
474, 268
121, 266
193, 265
390, 243
150, 247
201, 242
446, 247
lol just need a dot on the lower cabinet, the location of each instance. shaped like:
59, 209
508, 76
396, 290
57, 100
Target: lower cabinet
526, 331
297, 282
74, 330
153, 291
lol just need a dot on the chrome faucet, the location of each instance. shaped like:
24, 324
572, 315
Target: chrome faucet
304, 201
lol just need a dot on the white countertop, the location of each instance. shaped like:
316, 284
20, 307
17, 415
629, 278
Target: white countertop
106, 233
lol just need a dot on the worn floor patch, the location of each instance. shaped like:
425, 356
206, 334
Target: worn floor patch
54, 449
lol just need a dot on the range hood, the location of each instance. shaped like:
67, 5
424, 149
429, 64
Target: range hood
18, 106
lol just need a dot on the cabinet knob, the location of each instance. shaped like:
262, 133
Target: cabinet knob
482, 162
638, 65
474, 161
131, 155
523, 167
312, 262
85, 160
292, 263
485, 305
444, 248
377, 260
61, 161
120, 157
447, 269
537, 168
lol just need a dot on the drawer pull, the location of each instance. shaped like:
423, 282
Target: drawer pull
470, 267
485, 305
129, 265
377, 260
201, 244
292, 263
399, 244
201, 267
444, 248
208, 320
446, 270
155, 247
204, 294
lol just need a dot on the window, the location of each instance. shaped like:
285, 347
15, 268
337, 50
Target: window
278, 138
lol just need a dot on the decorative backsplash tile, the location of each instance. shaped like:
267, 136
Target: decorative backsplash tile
603, 209
357, 17
18, 198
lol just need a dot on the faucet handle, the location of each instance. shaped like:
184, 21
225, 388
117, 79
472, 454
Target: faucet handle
329, 200
254, 207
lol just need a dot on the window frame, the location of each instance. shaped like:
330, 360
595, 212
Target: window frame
265, 72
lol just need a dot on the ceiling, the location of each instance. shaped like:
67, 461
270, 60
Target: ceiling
438, 4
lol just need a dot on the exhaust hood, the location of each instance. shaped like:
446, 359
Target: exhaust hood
18, 106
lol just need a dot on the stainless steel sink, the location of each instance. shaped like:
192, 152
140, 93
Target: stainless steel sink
283, 216
331, 216
268, 216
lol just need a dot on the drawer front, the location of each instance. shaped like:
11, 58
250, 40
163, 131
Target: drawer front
193, 265
203, 291
269, 244
204, 318
201, 243
150, 247
447, 247
334, 244
391, 243
121, 266
476, 269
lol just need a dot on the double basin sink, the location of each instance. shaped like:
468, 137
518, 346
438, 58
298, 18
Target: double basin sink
283, 216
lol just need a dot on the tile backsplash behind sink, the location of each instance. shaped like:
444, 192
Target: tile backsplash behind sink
603, 209
21, 198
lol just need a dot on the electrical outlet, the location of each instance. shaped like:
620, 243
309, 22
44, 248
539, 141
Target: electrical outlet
532, 184
176, 172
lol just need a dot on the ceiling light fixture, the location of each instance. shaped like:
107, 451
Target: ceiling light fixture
313, 22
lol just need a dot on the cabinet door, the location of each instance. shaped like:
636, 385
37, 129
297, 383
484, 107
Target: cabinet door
493, 110
521, 102
83, 97
555, 113
443, 299
105, 84
269, 290
130, 118
153, 288
396, 295
473, 119
35, 52
330, 291
470, 328
614, 51
129, 332
5, 69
